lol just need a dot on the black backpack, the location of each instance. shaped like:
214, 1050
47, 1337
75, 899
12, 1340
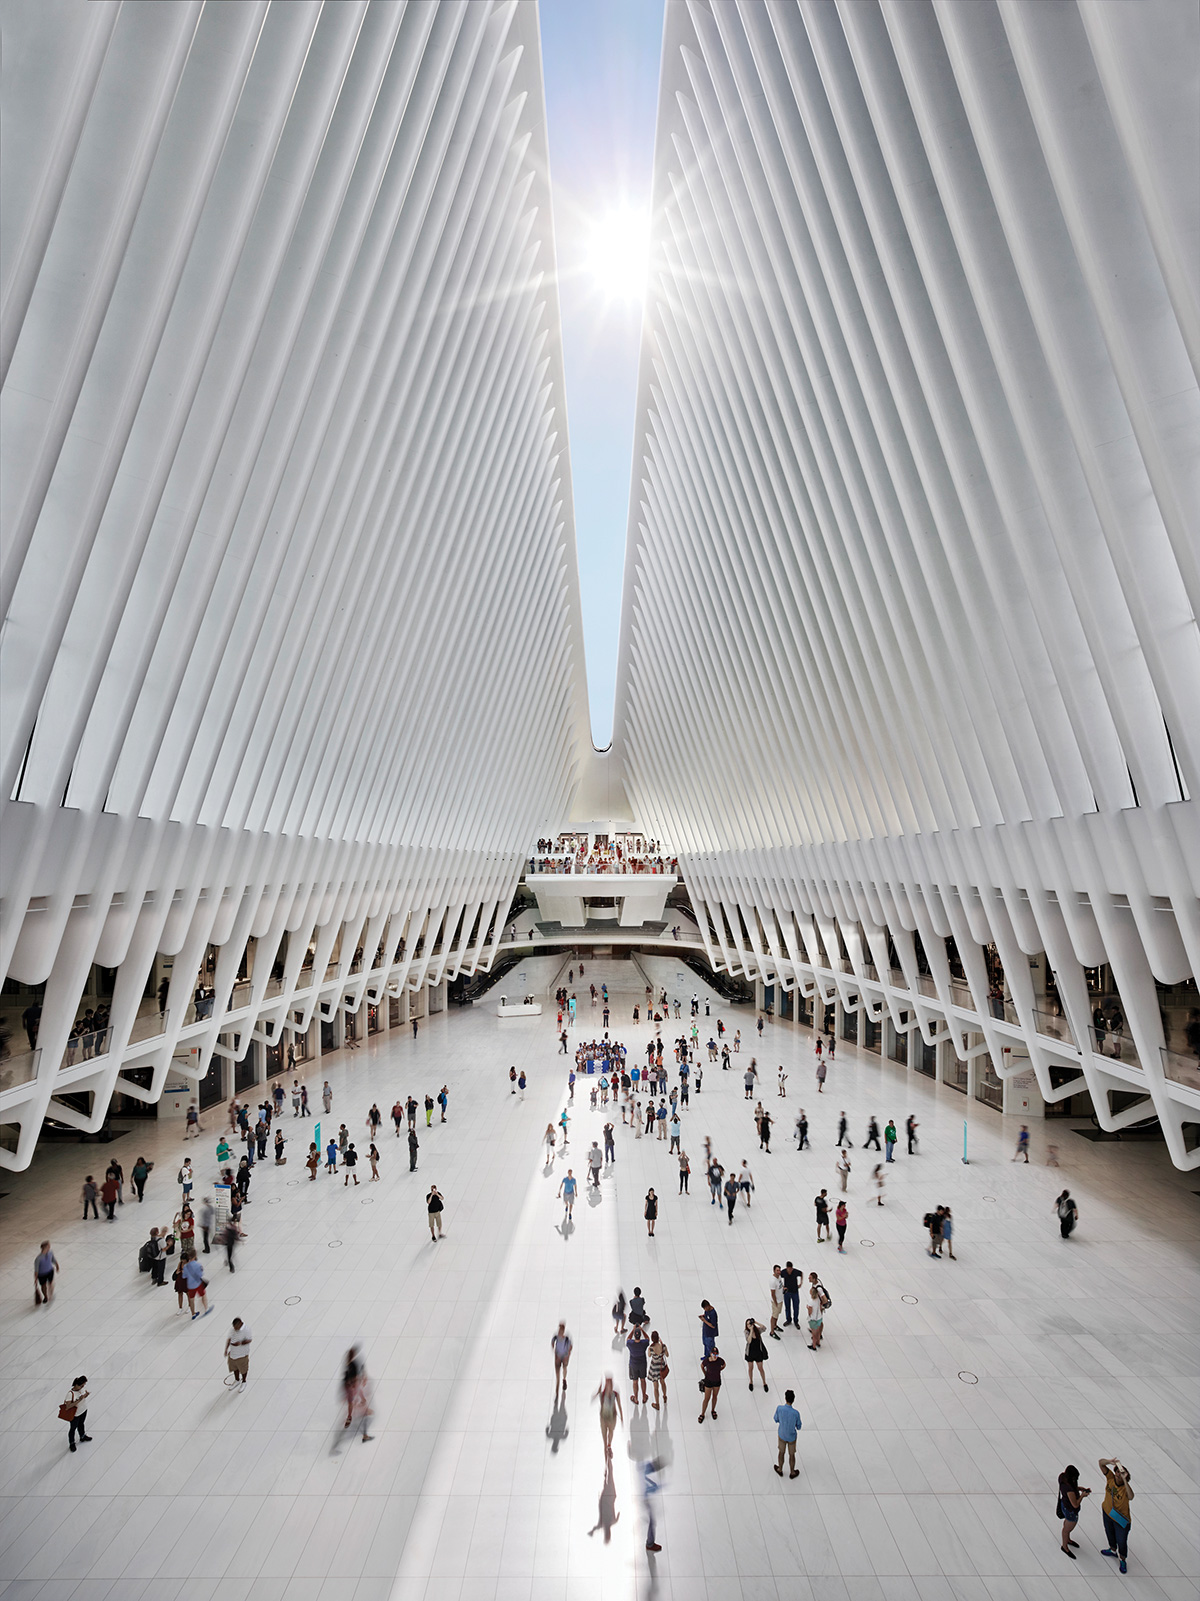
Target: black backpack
147, 1257
824, 1297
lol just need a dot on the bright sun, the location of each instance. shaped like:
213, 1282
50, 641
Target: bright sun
618, 253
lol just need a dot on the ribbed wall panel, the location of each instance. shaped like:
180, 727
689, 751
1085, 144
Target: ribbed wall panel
292, 640
909, 636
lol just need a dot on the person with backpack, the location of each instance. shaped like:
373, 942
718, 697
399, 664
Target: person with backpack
1068, 1214
186, 1178
1118, 1493
933, 1222
819, 1302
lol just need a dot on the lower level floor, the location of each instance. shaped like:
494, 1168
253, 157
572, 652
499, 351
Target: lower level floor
945, 1399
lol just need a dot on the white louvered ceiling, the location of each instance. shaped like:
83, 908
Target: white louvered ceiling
293, 651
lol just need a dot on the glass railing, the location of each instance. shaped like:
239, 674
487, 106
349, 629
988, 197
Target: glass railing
274, 987
1117, 1047
960, 994
1053, 1025
19, 1069
1180, 1069
897, 979
240, 996
148, 1026
86, 1046
927, 984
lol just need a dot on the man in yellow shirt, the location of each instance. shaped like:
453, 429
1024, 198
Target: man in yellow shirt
1117, 1496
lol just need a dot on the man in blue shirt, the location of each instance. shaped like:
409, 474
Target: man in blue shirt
788, 1421
708, 1325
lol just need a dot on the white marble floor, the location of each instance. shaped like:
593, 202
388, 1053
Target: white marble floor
918, 1484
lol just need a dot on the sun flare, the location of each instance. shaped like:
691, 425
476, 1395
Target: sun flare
618, 253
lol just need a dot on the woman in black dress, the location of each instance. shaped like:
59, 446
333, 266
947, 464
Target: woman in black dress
756, 1351
651, 1212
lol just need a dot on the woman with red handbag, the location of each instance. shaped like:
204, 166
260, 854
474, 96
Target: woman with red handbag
74, 1410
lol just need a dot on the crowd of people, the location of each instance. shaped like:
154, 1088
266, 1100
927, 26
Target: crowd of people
653, 1102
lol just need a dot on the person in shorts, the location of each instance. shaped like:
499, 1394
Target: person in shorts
237, 1351
45, 1266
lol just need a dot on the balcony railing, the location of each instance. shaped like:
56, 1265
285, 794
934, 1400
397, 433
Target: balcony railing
19, 1069
85, 1047
149, 1026
960, 994
1117, 1047
1180, 1069
897, 979
1053, 1026
927, 985
240, 996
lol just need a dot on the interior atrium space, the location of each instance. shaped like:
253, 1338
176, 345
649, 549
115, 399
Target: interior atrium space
396, 396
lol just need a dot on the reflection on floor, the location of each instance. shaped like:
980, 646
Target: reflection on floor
945, 1401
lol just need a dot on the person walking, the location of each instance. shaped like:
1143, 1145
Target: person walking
90, 1195
548, 1140
843, 1130
237, 1352
948, 1232
872, 1133
745, 1182
610, 1411
910, 1130
139, 1173
711, 1366
304, 1111
880, 1179
197, 1288
373, 1158
764, 1132
567, 1190
638, 1347
1070, 1499
818, 1301
650, 1212
1068, 1214
45, 1266
349, 1164
787, 1423
374, 1119
435, 1206
1118, 1493
840, 1217
822, 1071
595, 1158
522, 1081
108, 1194
1022, 1151
756, 1351
562, 1346
657, 1355
414, 1145
73, 1411
843, 1169
731, 1195
802, 1131
821, 1206
619, 1308
889, 1139
356, 1392
207, 1218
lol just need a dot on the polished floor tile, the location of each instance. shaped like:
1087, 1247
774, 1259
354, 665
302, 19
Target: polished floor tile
945, 1400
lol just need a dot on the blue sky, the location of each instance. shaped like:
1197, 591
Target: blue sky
601, 61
